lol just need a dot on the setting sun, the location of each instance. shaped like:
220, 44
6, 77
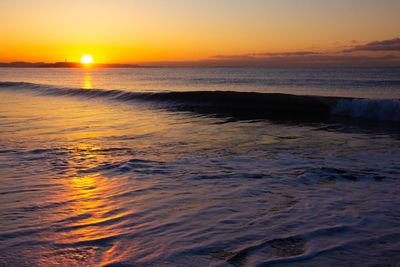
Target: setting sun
86, 59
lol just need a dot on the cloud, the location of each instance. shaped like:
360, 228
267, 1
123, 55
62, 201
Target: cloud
318, 59
265, 55
386, 45
284, 54
287, 59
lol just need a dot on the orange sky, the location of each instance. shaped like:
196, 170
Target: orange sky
129, 31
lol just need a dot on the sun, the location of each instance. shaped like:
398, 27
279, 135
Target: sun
86, 59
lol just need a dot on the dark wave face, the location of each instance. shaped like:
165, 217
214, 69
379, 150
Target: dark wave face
116, 177
240, 105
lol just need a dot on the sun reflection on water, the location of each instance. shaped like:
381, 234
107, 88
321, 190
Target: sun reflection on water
93, 194
91, 207
87, 82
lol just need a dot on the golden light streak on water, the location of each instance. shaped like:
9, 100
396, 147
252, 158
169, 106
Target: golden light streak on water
89, 238
87, 82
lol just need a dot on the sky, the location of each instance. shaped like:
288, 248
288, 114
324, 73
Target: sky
130, 31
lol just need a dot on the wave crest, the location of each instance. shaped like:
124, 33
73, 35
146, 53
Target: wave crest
243, 105
378, 109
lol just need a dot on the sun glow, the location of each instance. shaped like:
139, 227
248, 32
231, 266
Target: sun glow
86, 59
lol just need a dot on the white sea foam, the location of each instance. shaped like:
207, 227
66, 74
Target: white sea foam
381, 109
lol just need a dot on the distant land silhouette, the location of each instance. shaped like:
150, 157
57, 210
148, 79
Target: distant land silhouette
292, 59
22, 64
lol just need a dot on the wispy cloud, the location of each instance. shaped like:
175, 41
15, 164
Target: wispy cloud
386, 45
284, 54
320, 60
302, 59
265, 55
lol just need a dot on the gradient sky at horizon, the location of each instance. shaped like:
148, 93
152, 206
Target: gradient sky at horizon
176, 30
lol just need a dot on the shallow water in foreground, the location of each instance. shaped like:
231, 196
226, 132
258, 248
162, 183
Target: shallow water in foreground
94, 181
158, 188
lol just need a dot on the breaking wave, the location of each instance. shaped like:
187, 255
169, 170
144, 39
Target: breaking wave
244, 105
379, 109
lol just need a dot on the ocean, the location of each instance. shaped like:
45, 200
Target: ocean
200, 167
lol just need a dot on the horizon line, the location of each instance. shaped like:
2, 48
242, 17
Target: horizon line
330, 62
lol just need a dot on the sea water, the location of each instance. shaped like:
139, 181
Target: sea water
171, 167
